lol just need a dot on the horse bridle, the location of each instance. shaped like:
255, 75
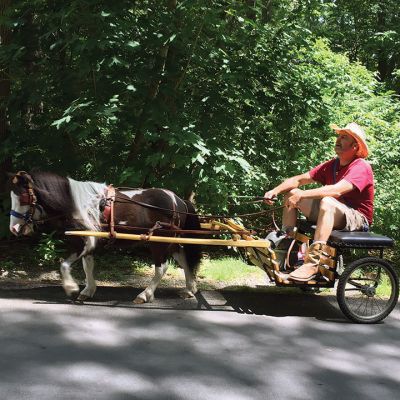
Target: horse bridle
26, 198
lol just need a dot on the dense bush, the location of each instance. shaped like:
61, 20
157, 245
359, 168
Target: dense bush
217, 98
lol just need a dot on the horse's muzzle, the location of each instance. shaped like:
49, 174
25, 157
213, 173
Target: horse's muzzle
21, 230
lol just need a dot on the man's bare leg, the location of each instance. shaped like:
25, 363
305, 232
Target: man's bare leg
331, 215
289, 216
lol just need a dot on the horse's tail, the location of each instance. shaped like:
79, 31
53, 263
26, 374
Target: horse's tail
192, 251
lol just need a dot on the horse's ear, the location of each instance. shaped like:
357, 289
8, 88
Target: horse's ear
16, 179
21, 178
28, 177
13, 177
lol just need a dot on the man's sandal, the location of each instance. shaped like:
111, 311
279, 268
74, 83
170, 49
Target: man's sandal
303, 274
284, 276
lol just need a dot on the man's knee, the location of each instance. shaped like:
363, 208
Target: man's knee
291, 193
328, 204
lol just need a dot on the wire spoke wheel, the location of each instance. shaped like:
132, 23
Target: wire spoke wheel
368, 290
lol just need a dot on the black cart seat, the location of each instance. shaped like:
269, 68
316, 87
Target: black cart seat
364, 240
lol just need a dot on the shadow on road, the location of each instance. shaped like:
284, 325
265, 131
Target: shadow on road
265, 301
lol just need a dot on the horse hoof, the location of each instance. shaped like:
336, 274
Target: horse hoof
73, 295
71, 290
82, 297
139, 300
186, 295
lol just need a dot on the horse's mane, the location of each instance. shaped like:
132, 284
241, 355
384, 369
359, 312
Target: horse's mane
78, 200
53, 192
86, 197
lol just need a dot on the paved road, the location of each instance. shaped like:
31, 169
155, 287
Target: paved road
222, 345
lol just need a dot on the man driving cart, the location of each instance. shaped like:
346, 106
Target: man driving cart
343, 202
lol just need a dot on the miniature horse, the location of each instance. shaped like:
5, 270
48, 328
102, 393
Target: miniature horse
61, 203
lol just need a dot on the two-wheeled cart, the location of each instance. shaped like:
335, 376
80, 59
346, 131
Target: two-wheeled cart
367, 289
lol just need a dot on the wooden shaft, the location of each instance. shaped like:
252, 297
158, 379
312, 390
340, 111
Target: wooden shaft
179, 240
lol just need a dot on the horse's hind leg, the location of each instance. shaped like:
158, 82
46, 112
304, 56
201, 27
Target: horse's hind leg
147, 296
90, 288
191, 286
68, 283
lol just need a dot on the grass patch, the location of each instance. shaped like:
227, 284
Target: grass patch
229, 270
385, 288
118, 267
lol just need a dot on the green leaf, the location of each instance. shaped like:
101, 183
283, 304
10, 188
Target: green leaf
133, 44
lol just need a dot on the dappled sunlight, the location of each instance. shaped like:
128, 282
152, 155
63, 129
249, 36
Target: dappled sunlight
384, 349
113, 379
91, 331
211, 387
345, 361
116, 352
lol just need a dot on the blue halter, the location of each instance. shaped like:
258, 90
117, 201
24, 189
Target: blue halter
28, 216
16, 214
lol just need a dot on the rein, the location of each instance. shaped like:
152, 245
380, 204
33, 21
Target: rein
207, 216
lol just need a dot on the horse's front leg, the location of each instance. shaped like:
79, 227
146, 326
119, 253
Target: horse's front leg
90, 288
147, 296
68, 283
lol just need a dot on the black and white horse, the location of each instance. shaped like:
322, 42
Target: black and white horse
63, 203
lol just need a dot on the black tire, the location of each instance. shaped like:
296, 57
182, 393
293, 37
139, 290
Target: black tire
359, 287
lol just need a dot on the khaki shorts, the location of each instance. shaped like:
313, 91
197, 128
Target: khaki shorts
355, 221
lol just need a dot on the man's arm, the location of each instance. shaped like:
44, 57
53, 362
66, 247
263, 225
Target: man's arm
289, 184
335, 191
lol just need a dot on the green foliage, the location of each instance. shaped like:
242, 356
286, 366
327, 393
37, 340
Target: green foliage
367, 30
217, 98
49, 249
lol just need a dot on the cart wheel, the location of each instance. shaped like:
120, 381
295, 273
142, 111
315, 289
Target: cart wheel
368, 290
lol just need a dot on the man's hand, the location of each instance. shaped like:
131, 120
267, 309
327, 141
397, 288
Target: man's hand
270, 197
293, 200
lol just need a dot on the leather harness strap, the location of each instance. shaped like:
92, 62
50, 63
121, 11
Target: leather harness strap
175, 219
173, 225
146, 236
108, 215
111, 200
27, 198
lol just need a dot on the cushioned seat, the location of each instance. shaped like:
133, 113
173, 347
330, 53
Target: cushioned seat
359, 239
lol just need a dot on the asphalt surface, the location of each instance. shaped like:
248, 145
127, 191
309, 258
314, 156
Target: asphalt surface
221, 345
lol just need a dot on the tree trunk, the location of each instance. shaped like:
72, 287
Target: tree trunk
383, 67
267, 10
5, 162
154, 87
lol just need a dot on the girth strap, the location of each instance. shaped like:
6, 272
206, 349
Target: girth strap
111, 201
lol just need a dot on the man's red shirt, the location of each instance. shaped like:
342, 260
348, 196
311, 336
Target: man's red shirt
359, 174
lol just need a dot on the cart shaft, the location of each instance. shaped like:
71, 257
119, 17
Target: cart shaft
177, 240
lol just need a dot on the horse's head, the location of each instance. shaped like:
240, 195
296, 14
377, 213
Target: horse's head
24, 207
